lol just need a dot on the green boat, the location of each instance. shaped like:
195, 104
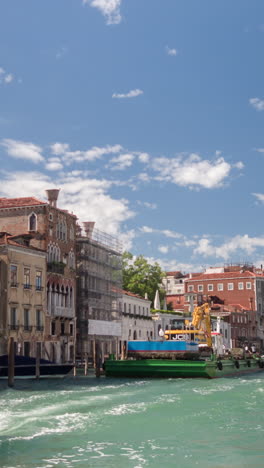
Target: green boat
172, 368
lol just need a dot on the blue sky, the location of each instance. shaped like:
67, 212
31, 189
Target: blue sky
147, 114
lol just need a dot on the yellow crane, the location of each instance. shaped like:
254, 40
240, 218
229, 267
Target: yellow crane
201, 320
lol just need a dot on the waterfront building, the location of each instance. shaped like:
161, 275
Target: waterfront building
23, 309
173, 283
52, 230
237, 289
137, 323
99, 289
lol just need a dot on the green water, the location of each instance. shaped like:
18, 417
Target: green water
133, 423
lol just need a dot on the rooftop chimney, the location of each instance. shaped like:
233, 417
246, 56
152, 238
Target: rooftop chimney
88, 228
52, 195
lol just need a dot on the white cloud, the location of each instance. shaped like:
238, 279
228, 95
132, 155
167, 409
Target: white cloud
63, 150
109, 8
226, 250
131, 94
22, 150
163, 249
170, 51
259, 196
144, 177
257, 103
5, 77
151, 206
144, 157
165, 232
121, 162
53, 164
193, 171
87, 198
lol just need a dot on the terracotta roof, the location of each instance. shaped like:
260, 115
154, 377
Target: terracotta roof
7, 239
128, 293
17, 202
230, 274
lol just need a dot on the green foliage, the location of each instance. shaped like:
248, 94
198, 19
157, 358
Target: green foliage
171, 312
170, 306
141, 277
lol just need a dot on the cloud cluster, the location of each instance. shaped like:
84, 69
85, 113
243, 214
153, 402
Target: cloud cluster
88, 198
5, 77
242, 243
257, 103
109, 8
131, 94
193, 171
22, 150
96, 152
170, 51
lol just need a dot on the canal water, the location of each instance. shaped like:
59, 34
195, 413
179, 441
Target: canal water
134, 423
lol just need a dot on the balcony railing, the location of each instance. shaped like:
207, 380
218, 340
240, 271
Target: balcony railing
56, 267
14, 284
13, 327
27, 327
62, 311
39, 288
27, 286
39, 327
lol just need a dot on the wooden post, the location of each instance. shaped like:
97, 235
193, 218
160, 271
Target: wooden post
37, 362
98, 360
94, 353
86, 364
11, 363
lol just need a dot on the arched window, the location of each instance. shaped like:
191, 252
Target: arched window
32, 222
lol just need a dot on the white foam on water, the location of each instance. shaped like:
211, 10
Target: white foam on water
126, 408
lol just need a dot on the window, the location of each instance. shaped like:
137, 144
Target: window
26, 278
220, 287
190, 288
125, 307
200, 288
38, 280
13, 272
248, 285
26, 348
139, 310
53, 328
38, 320
26, 319
143, 310
135, 309
129, 308
32, 222
210, 287
71, 329
240, 286
230, 286
50, 216
62, 328
13, 319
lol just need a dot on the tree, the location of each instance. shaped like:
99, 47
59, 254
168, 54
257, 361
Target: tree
141, 277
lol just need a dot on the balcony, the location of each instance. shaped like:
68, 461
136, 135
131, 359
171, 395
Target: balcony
28, 328
14, 284
58, 311
39, 328
13, 327
56, 267
27, 286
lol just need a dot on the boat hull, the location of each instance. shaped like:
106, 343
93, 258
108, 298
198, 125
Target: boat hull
167, 368
26, 367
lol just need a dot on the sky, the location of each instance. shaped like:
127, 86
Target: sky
147, 114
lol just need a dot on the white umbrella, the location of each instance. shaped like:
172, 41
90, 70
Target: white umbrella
157, 301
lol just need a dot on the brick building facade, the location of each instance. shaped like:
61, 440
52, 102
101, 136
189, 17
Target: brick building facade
54, 231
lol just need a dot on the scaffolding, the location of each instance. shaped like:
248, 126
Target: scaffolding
99, 286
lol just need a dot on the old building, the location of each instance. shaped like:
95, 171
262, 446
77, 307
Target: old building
173, 283
99, 267
22, 296
137, 323
238, 289
53, 230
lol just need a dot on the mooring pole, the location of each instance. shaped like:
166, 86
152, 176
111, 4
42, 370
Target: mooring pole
11, 362
37, 363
